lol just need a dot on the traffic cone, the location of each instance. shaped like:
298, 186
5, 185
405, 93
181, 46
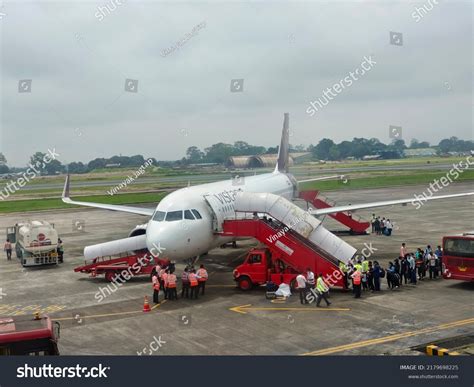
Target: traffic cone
146, 305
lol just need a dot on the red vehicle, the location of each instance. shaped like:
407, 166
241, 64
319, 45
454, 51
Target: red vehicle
458, 257
110, 267
259, 267
30, 336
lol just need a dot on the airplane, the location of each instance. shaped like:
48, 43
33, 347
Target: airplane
184, 222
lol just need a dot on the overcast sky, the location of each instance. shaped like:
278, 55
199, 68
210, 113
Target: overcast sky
288, 53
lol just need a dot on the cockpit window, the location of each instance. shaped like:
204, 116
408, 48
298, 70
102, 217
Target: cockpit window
174, 215
197, 214
188, 215
159, 216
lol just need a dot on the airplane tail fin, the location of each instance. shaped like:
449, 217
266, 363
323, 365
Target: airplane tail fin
284, 149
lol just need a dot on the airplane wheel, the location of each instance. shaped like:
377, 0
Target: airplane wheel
110, 275
244, 283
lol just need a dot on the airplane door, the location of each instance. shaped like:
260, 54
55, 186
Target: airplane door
217, 211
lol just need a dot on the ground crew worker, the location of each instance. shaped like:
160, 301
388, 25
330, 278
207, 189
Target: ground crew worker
343, 270
301, 287
185, 283
193, 284
172, 294
202, 277
156, 289
358, 266
8, 249
322, 290
310, 279
157, 270
356, 280
60, 250
164, 279
365, 269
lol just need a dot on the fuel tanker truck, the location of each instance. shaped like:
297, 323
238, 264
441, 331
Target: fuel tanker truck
36, 243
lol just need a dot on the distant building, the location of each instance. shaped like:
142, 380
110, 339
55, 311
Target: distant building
265, 160
421, 152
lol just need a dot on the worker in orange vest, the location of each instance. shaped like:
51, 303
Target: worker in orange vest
356, 282
8, 249
156, 289
172, 294
193, 283
202, 278
164, 279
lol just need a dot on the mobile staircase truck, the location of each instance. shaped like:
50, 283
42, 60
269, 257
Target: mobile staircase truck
295, 241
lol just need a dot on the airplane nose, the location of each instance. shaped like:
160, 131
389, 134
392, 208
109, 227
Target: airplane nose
157, 239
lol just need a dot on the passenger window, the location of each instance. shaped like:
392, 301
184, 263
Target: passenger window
197, 214
173, 216
188, 215
159, 216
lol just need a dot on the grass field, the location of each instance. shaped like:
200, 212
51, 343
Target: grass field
366, 179
51, 204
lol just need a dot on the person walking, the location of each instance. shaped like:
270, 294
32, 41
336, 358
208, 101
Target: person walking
404, 271
370, 277
156, 288
202, 277
193, 284
322, 290
7, 247
431, 258
378, 226
301, 287
185, 283
164, 278
412, 269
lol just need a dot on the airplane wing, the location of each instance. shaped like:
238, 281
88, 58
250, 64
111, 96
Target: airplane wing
112, 207
340, 177
353, 207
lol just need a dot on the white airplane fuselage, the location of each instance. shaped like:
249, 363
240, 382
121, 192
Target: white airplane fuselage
186, 236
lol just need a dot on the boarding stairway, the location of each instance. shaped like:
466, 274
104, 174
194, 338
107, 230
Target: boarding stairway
294, 236
355, 224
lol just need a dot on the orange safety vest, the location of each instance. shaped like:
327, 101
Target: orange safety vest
202, 275
164, 277
156, 283
192, 279
356, 277
161, 272
171, 281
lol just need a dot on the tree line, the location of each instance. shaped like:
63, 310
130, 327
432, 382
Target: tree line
218, 153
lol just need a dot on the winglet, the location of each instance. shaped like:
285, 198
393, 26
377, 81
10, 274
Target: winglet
66, 187
283, 150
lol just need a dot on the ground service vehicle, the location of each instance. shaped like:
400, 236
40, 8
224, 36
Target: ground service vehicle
35, 243
137, 264
30, 336
259, 267
458, 257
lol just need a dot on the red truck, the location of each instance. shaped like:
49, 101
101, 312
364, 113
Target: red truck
259, 267
30, 336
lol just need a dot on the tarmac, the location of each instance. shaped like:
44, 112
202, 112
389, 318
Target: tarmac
227, 321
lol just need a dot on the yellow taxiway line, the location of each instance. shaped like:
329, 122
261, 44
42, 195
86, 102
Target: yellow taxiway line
107, 314
244, 309
386, 339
